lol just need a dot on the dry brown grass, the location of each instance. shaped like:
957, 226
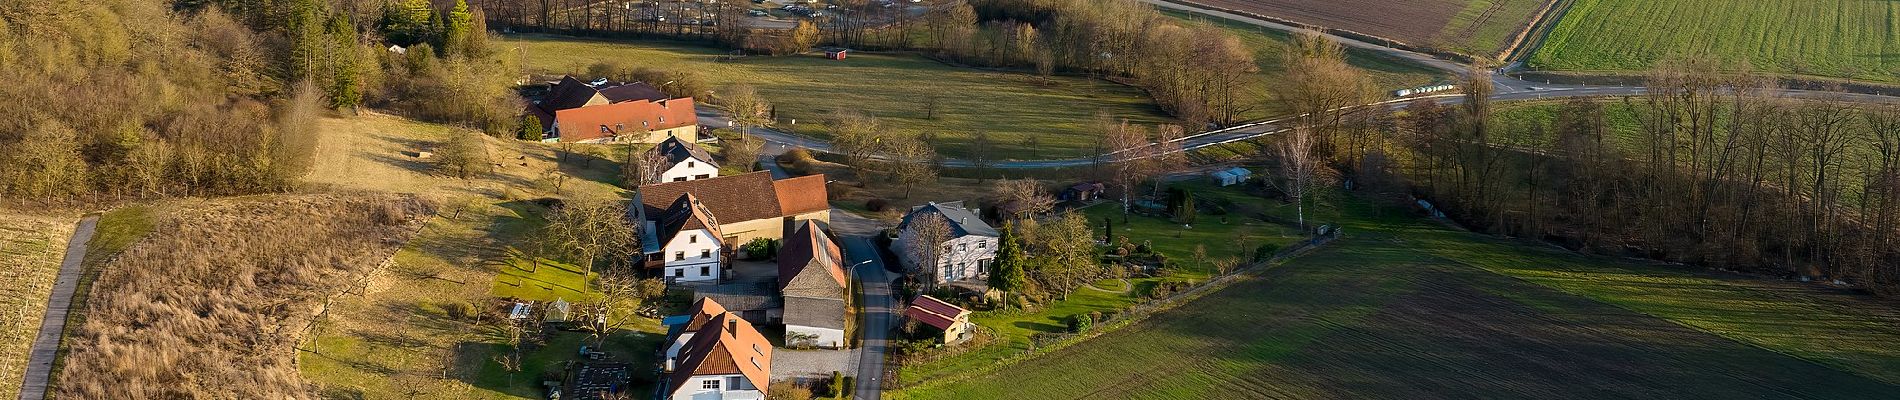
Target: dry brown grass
31, 247
377, 152
214, 301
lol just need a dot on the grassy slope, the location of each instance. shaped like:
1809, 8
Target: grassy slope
1011, 106
1013, 328
33, 246
1830, 38
396, 340
1403, 307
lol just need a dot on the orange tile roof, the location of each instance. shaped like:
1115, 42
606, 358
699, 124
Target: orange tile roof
725, 345
623, 118
801, 194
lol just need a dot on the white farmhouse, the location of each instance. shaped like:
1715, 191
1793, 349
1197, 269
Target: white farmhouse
682, 161
965, 253
690, 248
725, 359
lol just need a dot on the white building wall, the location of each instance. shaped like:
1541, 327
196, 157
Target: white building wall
827, 337
695, 389
688, 170
968, 258
692, 256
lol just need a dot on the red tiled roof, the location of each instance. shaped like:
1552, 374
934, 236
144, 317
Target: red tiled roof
624, 118
802, 194
704, 310
936, 313
808, 248
725, 345
739, 198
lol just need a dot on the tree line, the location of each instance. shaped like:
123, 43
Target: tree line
147, 98
1715, 170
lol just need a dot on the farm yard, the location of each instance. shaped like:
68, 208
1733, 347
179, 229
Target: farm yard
1403, 306
1853, 39
1482, 28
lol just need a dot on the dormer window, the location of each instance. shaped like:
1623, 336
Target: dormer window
662, 119
603, 129
620, 127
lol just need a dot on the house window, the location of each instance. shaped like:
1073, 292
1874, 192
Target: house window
701, 176
734, 383
679, 272
692, 238
679, 179
662, 119
705, 271
983, 244
703, 253
689, 164
603, 129
712, 384
679, 255
963, 246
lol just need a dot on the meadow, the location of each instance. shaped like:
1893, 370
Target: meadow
1406, 307
1061, 113
1852, 39
33, 246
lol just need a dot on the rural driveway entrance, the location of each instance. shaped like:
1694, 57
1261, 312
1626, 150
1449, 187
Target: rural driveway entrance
39, 366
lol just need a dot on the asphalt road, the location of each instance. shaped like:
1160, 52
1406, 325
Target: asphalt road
879, 316
39, 365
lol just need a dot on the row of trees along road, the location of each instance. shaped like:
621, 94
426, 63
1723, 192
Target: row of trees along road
1716, 171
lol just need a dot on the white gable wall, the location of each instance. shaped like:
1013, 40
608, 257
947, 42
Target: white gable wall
691, 169
696, 388
692, 256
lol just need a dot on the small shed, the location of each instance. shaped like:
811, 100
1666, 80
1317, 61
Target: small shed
837, 54
953, 321
1082, 192
556, 311
1230, 176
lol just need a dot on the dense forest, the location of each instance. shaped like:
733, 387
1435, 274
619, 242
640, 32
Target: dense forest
121, 99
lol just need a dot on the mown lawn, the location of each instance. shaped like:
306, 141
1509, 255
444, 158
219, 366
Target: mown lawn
1010, 106
1407, 308
1852, 39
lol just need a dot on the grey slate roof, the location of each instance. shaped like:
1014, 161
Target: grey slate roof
963, 221
819, 313
676, 151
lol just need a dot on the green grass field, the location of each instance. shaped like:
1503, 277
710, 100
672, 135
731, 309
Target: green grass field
1407, 308
1853, 39
1485, 27
1010, 106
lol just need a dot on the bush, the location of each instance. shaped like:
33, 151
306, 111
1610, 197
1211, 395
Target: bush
760, 249
1080, 323
460, 310
799, 161
787, 390
1265, 251
877, 205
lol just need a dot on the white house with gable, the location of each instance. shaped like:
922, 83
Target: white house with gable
967, 252
691, 249
682, 161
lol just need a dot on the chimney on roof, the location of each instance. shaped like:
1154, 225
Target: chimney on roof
732, 326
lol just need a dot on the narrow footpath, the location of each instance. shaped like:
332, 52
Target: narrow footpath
39, 367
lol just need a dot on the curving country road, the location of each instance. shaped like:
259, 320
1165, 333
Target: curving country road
1507, 88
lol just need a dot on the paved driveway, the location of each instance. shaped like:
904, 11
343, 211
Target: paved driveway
39, 366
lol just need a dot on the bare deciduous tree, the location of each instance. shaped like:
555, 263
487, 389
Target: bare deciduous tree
747, 107
924, 247
913, 162
588, 231
1022, 198
1298, 165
